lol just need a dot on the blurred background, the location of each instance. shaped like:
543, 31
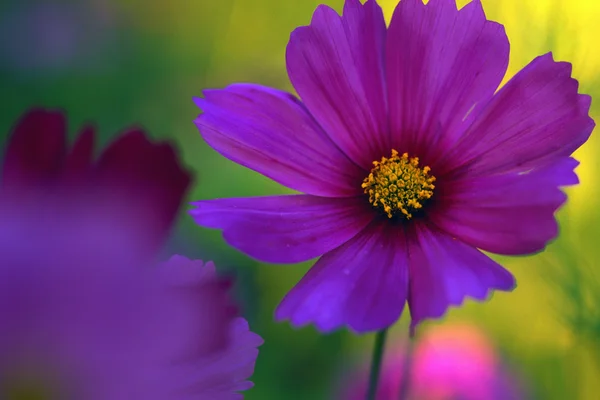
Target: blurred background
126, 62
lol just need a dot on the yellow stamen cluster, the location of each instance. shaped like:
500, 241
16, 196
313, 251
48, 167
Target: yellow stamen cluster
398, 185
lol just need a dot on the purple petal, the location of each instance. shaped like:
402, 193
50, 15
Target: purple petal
362, 284
219, 376
440, 64
35, 151
285, 229
272, 133
536, 118
336, 65
201, 311
507, 214
443, 271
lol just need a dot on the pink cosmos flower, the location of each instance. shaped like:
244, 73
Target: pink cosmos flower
410, 159
449, 362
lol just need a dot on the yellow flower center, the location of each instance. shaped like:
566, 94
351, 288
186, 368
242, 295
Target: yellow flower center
398, 186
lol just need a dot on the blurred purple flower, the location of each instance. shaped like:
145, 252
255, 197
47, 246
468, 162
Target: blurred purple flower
133, 179
85, 311
411, 158
448, 363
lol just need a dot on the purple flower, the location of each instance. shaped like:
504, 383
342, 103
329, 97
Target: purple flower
132, 175
411, 159
86, 312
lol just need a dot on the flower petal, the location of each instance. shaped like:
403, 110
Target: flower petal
220, 350
336, 65
284, 229
198, 310
141, 177
220, 376
537, 117
362, 284
80, 159
272, 133
131, 176
36, 151
508, 214
441, 63
443, 271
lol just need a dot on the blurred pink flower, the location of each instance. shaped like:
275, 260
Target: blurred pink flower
447, 363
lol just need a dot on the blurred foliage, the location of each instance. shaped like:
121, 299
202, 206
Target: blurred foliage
140, 62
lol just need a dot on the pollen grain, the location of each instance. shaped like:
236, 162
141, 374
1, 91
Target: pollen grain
398, 186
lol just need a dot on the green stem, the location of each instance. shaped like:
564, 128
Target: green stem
378, 350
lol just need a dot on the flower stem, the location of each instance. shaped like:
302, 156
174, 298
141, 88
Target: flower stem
378, 350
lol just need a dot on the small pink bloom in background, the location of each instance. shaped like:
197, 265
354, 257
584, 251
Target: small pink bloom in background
448, 362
